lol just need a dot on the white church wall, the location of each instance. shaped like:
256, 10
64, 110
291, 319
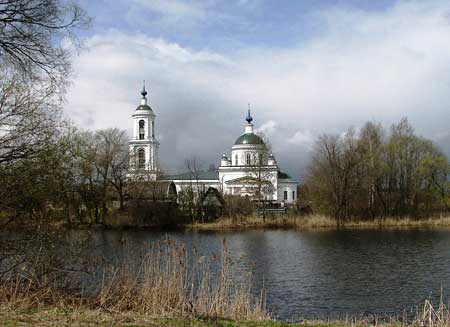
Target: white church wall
232, 173
290, 187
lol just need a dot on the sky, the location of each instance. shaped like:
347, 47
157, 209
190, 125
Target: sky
306, 68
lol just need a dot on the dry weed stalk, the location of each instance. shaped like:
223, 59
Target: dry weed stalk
168, 281
431, 316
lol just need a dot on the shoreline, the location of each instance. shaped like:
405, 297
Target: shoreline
317, 222
84, 316
288, 222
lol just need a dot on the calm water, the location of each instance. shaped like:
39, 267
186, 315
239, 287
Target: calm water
319, 273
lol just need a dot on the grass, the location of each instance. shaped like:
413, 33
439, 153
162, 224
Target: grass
321, 222
428, 316
84, 317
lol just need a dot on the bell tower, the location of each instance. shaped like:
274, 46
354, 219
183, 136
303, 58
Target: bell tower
143, 146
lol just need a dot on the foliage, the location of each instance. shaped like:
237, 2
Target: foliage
374, 175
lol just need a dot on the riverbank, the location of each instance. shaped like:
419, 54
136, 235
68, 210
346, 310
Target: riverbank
289, 221
85, 317
80, 316
320, 222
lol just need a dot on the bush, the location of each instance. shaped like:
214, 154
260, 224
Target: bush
237, 206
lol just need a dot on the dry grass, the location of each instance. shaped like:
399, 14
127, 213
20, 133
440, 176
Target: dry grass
56, 317
167, 283
320, 221
427, 316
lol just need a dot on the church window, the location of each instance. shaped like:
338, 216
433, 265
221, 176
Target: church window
248, 160
285, 195
141, 129
153, 129
236, 160
141, 158
293, 195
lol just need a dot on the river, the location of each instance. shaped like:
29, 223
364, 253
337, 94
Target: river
317, 274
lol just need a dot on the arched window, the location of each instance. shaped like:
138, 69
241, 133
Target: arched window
141, 129
236, 160
248, 159
141, 158
153, 129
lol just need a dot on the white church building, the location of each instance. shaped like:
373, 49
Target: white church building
248, 170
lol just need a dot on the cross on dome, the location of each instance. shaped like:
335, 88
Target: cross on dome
144, 92
249, 118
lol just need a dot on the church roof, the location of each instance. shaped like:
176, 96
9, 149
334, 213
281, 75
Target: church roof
200, 175
249, 138
246, 180
283, 175
144, 107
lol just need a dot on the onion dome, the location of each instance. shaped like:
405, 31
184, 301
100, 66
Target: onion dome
249, 118
144, 105
249, 138
144, 92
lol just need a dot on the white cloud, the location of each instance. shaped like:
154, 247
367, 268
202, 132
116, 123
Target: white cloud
302, 138
267, 128
363, 66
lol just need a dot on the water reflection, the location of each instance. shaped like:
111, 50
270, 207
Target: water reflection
313, 273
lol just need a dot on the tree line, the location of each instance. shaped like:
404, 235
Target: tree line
48, 166
45, 162
375, 173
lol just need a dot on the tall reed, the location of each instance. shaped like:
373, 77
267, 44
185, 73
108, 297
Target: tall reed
168, 281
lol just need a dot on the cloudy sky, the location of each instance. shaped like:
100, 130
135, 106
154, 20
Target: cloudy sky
307, 67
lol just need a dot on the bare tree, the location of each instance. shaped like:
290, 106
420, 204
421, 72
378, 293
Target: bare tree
260, 174
32, 34
34, 67
28, 119
191, 195
119, 167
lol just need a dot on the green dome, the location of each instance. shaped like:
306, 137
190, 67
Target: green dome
249, 138
144, 107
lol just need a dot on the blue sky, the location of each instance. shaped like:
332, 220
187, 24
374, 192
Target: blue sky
307, 68
220, 25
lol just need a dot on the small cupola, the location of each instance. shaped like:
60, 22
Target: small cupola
271, 161
224, 161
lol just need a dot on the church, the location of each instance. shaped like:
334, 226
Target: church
249, 170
